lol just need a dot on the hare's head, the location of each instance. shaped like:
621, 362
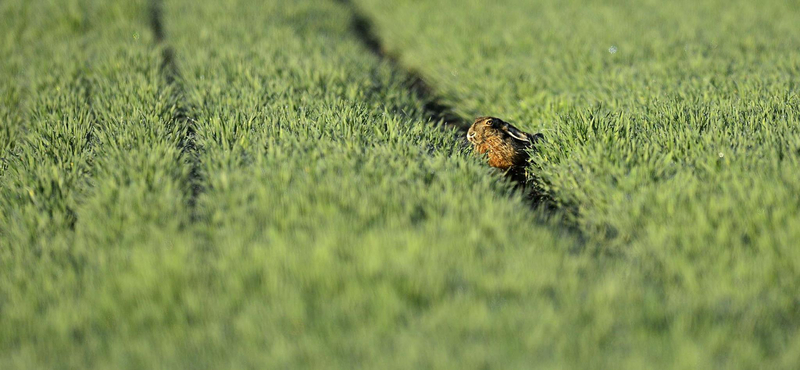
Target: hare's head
481, 128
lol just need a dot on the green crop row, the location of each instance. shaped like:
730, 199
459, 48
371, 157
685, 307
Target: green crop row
274, 198
673, 138
94, 199
342, 228
252, 188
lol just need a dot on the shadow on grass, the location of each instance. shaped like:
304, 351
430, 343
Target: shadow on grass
537, 199
180, 116
434, 107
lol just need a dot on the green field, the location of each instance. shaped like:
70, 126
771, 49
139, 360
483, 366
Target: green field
246, 184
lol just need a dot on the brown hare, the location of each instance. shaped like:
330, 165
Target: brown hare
505, 145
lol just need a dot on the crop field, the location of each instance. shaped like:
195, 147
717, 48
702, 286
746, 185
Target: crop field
263, 184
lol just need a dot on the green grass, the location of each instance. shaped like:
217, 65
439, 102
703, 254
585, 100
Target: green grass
93, 192
677, 152
334, 226
278, 199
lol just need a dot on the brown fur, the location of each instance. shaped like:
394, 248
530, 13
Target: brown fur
504, 144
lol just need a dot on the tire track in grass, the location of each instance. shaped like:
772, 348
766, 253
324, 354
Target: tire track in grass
124, 251
334, 205
94, 195
441, 112
680, 174
172, 77
438, 110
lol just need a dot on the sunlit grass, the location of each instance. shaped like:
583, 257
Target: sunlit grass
333, 226
673, 139
283, 202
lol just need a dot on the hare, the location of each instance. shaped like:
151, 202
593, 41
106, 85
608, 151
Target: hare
505, 145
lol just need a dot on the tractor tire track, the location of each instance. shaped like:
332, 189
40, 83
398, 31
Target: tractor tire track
180, 116
433, 105
438, 111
